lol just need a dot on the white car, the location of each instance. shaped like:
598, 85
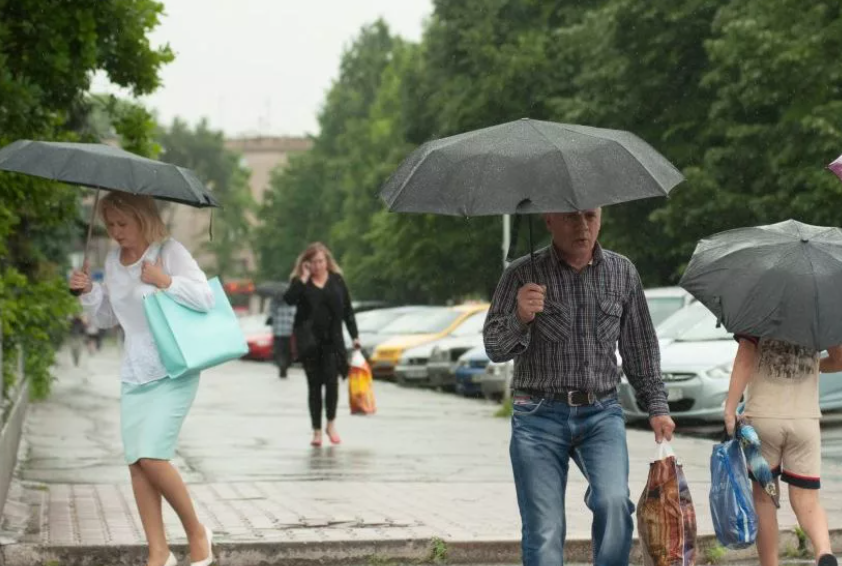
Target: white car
696, 362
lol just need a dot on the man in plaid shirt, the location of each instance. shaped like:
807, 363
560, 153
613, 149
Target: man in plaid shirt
282, 316
562, 328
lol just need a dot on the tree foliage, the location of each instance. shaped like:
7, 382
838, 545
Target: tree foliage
744, 97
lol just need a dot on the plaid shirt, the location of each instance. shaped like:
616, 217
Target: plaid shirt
283, 316
571, 346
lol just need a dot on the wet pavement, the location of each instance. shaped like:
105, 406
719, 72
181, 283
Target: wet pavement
427, 467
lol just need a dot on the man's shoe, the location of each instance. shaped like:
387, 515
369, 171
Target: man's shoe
827, 560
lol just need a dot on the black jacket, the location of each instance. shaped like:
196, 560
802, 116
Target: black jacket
327, 308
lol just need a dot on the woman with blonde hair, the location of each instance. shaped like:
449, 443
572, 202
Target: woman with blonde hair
152, 406
319, 292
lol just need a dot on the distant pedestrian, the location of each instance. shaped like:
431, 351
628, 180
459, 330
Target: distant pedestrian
319, 291
93, 336
781, 383
282, 318
77, 337
562, 329
152, 406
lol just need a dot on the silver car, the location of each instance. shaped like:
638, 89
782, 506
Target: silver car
696, 362
497, 379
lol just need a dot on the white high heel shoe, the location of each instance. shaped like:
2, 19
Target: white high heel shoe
171, 560
209, 560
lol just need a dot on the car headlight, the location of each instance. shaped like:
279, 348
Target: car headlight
721, 372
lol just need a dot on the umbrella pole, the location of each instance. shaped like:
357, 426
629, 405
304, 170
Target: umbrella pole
531, 249
77, 292
90, 228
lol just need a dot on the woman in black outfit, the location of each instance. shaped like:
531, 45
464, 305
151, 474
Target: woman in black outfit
323, 302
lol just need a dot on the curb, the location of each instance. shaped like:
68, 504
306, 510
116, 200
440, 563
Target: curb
359, 553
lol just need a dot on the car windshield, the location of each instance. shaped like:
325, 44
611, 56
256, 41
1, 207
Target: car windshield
660, 308
373, 321
471, 326
430, 321
694, 323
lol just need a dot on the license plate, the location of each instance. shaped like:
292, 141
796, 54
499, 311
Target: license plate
675, 394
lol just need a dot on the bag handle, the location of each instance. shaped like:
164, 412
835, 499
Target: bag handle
665, 450
156, 253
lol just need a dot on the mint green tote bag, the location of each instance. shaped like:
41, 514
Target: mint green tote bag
189, 341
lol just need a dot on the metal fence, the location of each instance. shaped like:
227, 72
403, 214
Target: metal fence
13, 406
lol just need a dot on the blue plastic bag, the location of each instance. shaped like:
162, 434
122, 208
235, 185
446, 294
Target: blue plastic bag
731, 502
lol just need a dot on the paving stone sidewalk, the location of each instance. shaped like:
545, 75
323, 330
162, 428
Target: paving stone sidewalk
427, 467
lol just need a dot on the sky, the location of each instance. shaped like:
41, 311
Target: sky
261, 66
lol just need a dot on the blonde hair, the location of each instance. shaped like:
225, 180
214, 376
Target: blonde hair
142, 208
308, 254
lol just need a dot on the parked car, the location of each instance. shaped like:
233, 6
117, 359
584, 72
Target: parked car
415, 363
696, 362
469, 372
258, 337
496, 380
663, 302
365, 306
372, 326
415, 329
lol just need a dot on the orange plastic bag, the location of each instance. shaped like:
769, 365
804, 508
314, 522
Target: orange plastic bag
361, 386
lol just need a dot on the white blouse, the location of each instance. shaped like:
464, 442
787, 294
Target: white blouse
120, 301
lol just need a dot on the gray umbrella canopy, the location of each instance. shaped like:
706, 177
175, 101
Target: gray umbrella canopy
528, 166
105, 167
781, 281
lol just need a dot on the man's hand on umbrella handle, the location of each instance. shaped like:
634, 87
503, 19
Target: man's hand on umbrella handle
153, 274
663, 426
80, 281
530, 300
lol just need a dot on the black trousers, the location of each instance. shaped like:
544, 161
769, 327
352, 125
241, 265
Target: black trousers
283, 354
322, 371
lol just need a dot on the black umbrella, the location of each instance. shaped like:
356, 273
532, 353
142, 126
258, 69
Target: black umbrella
781, 281
528, 166
106, 167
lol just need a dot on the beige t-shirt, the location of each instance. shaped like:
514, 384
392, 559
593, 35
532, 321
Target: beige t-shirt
785, 382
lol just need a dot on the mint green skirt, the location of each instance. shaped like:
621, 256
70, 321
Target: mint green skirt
151, 415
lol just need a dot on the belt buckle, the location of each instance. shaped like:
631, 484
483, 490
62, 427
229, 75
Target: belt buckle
591, 398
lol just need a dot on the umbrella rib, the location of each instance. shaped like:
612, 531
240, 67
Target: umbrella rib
561, 154
674, 168
426, 148
815, 296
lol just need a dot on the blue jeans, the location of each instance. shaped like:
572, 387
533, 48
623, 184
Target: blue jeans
546, 434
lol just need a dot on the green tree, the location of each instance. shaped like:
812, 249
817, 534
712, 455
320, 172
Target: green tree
743, 97
317, 196
48, 52
774, 121
203, 150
